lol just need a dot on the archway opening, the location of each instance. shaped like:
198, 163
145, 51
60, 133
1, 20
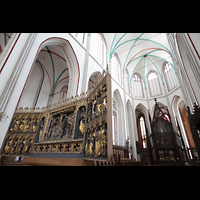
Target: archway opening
54, 75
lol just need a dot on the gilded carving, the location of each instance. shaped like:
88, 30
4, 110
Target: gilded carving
72, 126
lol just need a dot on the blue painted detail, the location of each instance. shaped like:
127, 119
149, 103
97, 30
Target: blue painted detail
129, 52
113, 50
58, 79
134, 69
165, 60
145, 40
112, 45
144, 76
53, 70
157, 69
57, 155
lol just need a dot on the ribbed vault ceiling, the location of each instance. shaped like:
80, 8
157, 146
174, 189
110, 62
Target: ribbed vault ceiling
139, 52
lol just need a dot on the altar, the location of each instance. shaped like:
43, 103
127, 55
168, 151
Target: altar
72, 132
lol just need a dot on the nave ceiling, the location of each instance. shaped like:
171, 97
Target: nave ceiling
139, 52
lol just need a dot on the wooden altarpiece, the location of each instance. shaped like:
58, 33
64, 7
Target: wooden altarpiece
72, 132
164, 140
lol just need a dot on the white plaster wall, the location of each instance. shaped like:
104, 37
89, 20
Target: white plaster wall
31, 88
93, 66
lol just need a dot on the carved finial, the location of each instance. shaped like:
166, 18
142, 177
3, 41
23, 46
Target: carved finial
103, 72
37, 109
107, 68
21, 108
155, 100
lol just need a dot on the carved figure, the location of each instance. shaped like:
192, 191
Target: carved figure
104, 140
28, 145
8, 145
87, 142
90, 105
21, 145
98, 142
35, 124
104, 100
82, 120
22, 124
14, 125
27, 126
92, 143
94, 108
99, 104
14, 146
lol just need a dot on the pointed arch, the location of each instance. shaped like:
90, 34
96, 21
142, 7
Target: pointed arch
154, 83
70, 57
137, 85
93, 78
120, 138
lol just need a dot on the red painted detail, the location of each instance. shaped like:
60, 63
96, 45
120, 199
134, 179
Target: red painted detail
60, 81
186, 71
193, 45
55, 54
9, 53
37, 55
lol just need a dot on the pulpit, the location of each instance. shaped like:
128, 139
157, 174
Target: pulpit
165, 147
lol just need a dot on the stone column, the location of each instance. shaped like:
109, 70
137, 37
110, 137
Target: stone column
85, 69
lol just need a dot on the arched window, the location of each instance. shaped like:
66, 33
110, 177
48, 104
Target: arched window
154, 85
98, 48
169, 76
126, 81
137, 86
165, 114
142, 136
143, 132
63, 92
116, 69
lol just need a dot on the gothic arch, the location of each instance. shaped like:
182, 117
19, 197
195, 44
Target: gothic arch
180, 114
72, 61
142, 109
120, 138
93, 78
161, 105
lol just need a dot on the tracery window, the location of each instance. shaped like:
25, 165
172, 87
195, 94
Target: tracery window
63, 92
98, 48
169, 76
137, 86
165, 114
154, 85
126, 81
143, 132
116, 69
